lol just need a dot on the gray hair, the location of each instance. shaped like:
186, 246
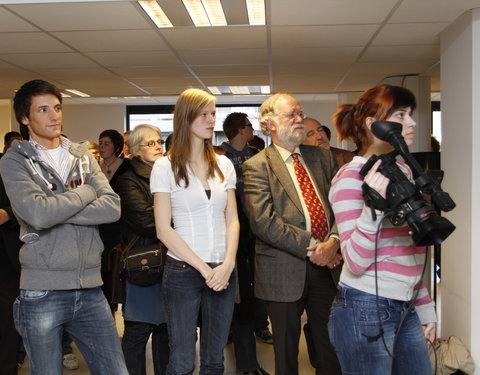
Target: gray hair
267, 110
137, 134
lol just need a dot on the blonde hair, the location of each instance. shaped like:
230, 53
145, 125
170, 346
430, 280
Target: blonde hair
187, 109
267, 110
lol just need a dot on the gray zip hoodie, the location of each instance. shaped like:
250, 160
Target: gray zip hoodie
58, 222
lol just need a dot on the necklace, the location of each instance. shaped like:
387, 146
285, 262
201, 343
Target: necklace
109, 172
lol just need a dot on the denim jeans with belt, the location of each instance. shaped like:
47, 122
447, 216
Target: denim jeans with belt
354, 330
41, 316
185, 293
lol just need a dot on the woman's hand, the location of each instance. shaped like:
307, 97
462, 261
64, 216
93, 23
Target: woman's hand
376, 180
429, 331
219, 276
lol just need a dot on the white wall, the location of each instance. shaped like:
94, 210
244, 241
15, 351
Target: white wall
87, 121
460, 77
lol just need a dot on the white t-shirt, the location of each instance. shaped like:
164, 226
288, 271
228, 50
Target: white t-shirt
198, 220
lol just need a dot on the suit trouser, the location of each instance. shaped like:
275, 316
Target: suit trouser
316, 300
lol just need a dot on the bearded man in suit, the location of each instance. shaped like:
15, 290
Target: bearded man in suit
296, 255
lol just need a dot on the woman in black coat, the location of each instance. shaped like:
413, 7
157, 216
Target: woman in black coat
143, 310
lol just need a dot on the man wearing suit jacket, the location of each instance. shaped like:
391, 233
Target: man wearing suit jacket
293, 270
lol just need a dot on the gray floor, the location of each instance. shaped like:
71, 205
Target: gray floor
264, 354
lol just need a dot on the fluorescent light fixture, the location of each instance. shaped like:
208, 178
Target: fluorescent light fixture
114, 97
239, 90
214, 90
265, 89
79, 93
156, 13
65, 95
197, 12
256, 12
129, 97
215, 12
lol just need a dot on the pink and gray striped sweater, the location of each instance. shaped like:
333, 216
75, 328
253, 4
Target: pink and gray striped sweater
399, 261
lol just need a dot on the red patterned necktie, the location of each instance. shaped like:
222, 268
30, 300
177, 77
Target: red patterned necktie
318, 219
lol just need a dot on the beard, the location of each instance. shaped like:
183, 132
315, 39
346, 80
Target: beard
292, 135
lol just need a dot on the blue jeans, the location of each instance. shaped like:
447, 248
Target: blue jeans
185, 293
41, 316
354, 320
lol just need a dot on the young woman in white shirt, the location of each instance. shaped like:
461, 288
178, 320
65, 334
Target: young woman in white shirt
194, 188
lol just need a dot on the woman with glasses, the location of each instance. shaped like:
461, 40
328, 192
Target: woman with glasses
382, 316
143, 310
195, 188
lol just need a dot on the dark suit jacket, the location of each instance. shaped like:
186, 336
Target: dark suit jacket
276, 217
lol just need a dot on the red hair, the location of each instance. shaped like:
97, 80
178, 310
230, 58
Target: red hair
378, 102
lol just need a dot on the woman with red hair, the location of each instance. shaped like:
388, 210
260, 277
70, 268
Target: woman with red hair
382, 315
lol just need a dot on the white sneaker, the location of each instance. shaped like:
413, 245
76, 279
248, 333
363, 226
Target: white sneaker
70, 362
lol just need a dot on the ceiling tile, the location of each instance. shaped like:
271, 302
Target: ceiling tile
134, 58
30, 42
48, 60
230, 70
11, 23
80, 73
401, 53
166, 81
225, 56
322, 36
409, 33
83, 15
329, 12
315, 55
310, 69
152, 71
216, 37
432, 10
109, 40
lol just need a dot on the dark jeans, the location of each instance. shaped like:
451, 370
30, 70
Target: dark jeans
41, 316
185, 293
134, 342
354, 318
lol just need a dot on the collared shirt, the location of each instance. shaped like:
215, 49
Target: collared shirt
287, 158
59, 159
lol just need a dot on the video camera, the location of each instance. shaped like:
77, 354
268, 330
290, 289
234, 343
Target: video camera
404, 200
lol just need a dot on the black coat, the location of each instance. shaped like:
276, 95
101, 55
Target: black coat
133, 187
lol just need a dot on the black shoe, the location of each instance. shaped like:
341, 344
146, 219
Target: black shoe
260, 371
265, 336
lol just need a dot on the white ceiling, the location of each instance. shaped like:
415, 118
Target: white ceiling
111, 48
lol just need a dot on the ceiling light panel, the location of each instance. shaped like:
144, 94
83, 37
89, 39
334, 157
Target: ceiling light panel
156, 13
79, 93
215, 12
256, 12
197, 12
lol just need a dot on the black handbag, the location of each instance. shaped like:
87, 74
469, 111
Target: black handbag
144, 264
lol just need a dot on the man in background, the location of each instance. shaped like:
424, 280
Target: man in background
239, 131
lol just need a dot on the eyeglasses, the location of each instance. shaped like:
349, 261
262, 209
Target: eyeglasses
250, 125
294, 115
151, 144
